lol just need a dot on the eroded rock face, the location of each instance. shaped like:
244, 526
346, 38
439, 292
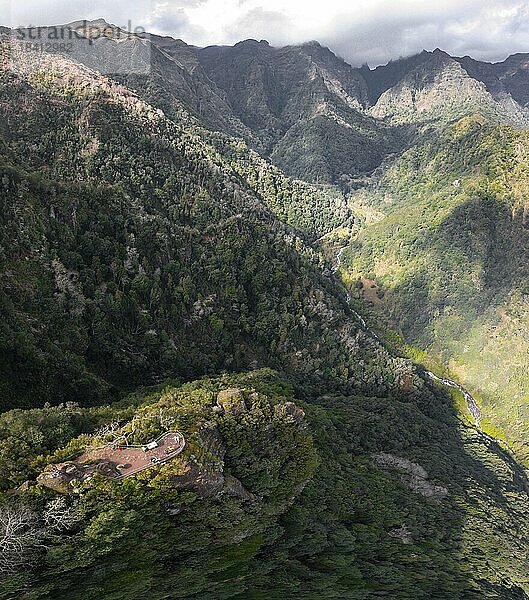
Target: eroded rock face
406, 383
202, 480
203, 473
435, 86
412, 475
58, 477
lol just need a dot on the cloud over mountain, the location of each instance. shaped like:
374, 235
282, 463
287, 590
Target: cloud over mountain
373, 33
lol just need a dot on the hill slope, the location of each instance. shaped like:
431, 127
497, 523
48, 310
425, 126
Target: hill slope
308, 111
411, 503
305, 104
132, 251
450, 256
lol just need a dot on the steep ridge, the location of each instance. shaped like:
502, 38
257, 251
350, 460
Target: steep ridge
165, 71
434, 87
300, 105
307, 106
167, 74
510, 76
308, 111
384, 77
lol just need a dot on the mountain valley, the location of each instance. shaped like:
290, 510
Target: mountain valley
276, 255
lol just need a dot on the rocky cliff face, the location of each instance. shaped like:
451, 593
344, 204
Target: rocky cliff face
304, 108
305, 104
440, 89
510, 76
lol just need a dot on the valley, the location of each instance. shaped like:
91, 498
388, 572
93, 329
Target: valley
309, 277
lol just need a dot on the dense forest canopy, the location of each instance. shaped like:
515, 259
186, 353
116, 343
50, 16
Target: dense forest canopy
172, 247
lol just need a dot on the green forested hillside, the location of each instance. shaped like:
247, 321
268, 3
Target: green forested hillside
361, 497
140, 252
133, 252
450, 257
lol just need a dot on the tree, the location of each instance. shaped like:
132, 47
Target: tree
22, 530
19, 533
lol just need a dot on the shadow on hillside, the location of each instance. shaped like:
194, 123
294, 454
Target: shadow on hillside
362, 531
473, 261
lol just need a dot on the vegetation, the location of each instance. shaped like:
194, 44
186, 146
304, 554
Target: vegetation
173, 525
315, 211
123, 268
418, 525
450, 254
140, 254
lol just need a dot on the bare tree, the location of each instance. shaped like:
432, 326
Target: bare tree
58, 516
114, 433
19, 531
22, 530
165, 421
109, 430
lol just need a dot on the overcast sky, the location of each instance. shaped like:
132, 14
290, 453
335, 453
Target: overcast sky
372, 31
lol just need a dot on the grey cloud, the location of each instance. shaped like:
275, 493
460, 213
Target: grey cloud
462, 28
466, 28
175, 22
259, 23
376, 33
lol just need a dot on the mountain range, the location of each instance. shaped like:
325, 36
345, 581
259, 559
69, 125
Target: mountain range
268, 250
288, 103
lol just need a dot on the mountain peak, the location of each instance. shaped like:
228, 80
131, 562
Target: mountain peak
95, 23
251, 42
101, 21
312, 44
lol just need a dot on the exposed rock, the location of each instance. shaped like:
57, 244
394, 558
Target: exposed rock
232, 401
235, 489
402, 533
405, 383
435, 86
412, 474
173, 511
24, 487
204, 481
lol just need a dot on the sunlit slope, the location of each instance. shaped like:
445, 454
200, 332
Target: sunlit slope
450, 257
